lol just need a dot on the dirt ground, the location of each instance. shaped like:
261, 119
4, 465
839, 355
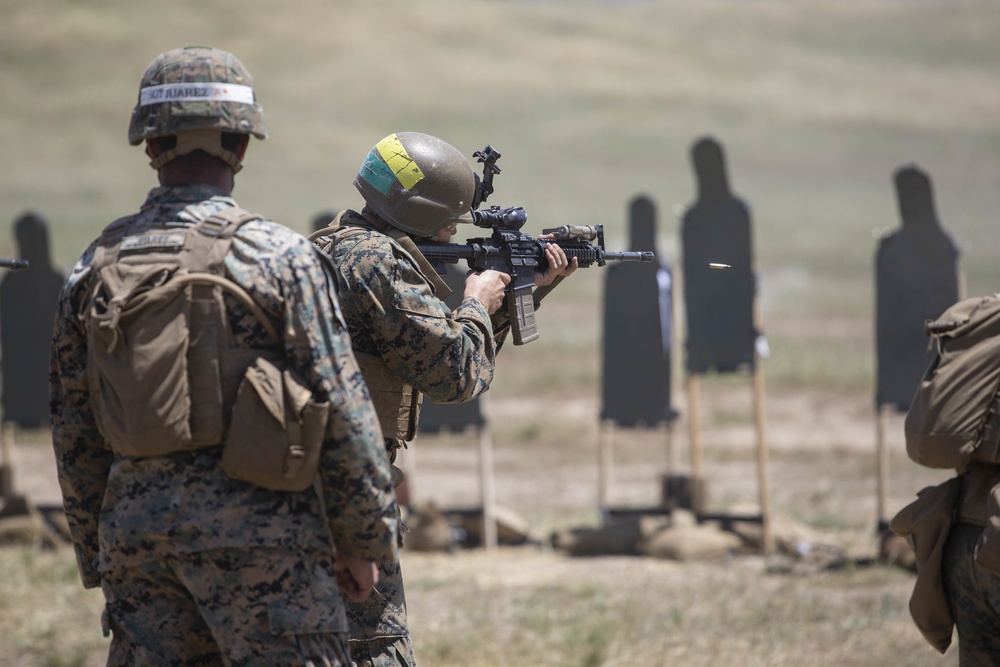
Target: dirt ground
820, 452
822, 475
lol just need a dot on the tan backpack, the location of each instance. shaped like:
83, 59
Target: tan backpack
165, 374
954, 418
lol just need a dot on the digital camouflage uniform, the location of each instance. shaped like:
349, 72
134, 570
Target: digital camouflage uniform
969, 568
192, 562
974, 598
394, 311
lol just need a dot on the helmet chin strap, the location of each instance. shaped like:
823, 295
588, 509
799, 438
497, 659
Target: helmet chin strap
209, 141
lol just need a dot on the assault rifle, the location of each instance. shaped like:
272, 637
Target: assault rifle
519, 255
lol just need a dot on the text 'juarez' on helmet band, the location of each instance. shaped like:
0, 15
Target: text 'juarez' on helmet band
196, 92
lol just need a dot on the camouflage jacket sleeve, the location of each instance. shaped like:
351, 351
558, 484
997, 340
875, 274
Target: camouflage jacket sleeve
82, 461
393, 312
354, 469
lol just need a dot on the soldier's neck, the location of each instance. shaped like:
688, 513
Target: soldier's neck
221, 177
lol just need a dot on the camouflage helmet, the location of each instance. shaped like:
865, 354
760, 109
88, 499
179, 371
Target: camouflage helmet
417, 183
193, 90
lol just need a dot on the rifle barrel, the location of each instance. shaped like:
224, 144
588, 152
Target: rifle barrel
639, 256
13, 263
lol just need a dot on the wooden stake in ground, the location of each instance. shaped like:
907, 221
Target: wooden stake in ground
882, 466
763, 476
7, 461
487, 481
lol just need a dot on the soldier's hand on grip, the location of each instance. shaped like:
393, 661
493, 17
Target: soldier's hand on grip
487, 286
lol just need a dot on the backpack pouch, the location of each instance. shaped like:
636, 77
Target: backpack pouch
137, 416
926, 523
276, 430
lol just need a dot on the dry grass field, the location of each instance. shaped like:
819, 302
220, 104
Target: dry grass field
531, 605
590, 102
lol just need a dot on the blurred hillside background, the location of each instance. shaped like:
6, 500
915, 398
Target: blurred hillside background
816, 103
591, 103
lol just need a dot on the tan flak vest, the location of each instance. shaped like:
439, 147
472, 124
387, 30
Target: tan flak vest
163, 367
397, 403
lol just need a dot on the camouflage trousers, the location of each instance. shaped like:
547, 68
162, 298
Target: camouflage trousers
974, 598
227, 607
379, 635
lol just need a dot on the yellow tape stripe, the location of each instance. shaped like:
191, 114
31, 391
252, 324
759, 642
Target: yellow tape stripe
401, 164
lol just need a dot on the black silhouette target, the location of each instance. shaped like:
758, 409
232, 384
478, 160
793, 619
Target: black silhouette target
719, 302
916, 274
638, 331
28, 299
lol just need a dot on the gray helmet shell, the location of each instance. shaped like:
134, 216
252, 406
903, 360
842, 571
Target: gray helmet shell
417, 183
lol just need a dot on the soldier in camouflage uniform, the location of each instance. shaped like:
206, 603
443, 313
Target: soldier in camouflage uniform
416, 188
199, 568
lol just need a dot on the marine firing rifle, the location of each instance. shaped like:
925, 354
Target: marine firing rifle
519, 255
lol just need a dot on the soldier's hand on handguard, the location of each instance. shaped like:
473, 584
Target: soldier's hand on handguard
558, 264
487, 286
356, 577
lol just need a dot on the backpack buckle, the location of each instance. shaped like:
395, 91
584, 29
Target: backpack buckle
212, 226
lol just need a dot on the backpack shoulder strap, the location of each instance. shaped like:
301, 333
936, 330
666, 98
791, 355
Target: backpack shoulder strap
210, 239
234, 215
426, 269
110, 241
209, 243
329, 230
328, 237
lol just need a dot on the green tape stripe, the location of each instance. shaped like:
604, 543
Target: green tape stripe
377, 173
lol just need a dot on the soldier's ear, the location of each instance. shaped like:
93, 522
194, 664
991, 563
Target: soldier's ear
241, 147
153, 148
